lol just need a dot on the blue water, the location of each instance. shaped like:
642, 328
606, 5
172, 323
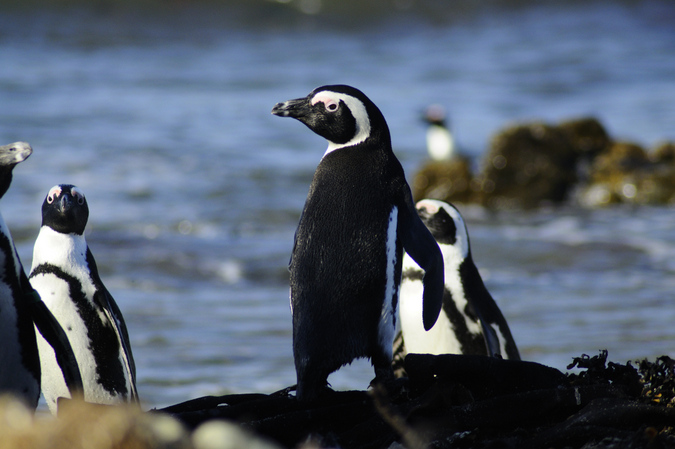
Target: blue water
161, 114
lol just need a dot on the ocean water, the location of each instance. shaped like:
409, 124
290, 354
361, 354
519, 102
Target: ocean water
160, 113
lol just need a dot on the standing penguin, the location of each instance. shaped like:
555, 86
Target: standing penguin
20, 307
348, 252
65, 275
19, 362
440, 141
470, 322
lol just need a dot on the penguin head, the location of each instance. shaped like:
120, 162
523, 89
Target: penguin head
341, 114
435, 115
65, 210
445, 223
10, 155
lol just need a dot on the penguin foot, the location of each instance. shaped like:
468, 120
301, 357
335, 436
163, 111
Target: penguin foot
395, 387
314, 394
285, 391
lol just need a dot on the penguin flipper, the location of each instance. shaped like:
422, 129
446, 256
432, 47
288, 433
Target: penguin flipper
112, 312
53, 333
422, 247
105, 301
489, 314
491, 339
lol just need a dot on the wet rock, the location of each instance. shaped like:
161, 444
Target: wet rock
527, 166
449, 181
626, 173
537, 164
467, 401
587, 136
664, 153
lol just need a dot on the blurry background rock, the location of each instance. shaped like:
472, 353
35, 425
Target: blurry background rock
81, 425
537, 164
90, 426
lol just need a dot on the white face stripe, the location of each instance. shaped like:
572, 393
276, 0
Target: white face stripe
76, 191
387, 325
462, 236
54, 192
358, 110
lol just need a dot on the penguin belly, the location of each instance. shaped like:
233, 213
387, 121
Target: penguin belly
440, 339
457, 330
55, 293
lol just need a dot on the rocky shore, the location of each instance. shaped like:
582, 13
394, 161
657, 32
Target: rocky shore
453, 401
537, 164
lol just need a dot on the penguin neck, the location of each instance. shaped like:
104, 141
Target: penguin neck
63, 250
365, 136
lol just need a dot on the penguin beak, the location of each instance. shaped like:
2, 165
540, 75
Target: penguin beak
14, 153
65, 203
292, 108
424, 213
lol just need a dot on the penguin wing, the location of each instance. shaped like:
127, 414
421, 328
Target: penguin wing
488, 312
105, 301
422, 247
53, 333
103, 298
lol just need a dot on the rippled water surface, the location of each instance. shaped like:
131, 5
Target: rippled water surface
161, 114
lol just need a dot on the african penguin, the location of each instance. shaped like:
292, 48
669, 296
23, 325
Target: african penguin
470, 322
65, 275
440, 141
19, 362
21, 308
345, 266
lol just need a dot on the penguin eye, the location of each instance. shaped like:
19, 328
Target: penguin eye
331, 106
50, 199
80, 200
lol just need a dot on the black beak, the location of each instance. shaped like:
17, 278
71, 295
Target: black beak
66, 202
292, 108
14, 153
424, 213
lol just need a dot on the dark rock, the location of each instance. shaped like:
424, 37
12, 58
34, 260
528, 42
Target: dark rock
527, 166
449, 181
587, 136
664, 153
625, 173
536, 164
470, 402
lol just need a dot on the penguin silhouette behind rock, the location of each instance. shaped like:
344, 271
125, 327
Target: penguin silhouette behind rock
345, 266
470, 322
65, 275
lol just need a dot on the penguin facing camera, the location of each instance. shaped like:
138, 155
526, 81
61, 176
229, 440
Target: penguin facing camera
470, 322
65, 275
345, 267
